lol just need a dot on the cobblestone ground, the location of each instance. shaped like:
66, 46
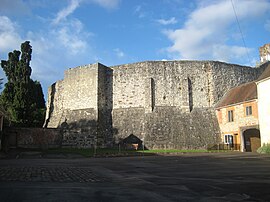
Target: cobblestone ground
48, 174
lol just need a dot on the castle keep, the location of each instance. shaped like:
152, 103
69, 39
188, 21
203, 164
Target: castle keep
162, 104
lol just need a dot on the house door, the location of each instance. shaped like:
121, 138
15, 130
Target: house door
252, 140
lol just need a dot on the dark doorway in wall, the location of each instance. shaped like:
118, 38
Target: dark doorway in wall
132, 142
252, 139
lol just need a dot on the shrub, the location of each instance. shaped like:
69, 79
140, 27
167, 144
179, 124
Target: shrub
265, 149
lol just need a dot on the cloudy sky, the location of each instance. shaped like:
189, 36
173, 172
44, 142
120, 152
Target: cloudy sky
69, 33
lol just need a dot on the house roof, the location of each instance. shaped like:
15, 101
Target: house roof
242, 93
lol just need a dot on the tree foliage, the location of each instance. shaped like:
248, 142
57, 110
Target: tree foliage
22, 97
1, 83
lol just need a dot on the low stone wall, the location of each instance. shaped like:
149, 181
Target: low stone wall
38, 138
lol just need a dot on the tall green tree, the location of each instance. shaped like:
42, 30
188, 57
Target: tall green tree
22, 97
1, 82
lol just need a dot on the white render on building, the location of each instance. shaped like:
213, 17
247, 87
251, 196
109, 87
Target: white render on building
263, 88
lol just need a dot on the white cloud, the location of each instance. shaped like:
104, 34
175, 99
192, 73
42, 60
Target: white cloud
119, 53
167, 22
205, 33
63, 42
56, 47
72, 36
9, 37
70, 32
62, 15
109, 4
225, 52
56, 50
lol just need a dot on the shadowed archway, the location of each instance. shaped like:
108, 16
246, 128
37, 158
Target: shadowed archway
252, 139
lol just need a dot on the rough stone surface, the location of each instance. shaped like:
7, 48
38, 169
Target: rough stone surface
41, 138
79, 129
167, 104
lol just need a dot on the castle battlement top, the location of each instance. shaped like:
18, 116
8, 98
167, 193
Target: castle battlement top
151, 63
184, 62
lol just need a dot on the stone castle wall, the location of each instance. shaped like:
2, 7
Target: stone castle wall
78, 90
167, 104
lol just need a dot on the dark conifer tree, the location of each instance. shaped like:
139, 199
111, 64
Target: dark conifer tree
22, 97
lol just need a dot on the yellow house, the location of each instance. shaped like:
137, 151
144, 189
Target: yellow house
244, 114
237, 114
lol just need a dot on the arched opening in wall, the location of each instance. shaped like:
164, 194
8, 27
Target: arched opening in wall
252, 139
131, 142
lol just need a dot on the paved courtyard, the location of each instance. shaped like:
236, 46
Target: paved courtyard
187, 177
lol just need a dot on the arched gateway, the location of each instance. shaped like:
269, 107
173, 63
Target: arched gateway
252, 139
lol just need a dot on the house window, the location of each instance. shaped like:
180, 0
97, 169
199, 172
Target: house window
248, 110
228, 139
230, 116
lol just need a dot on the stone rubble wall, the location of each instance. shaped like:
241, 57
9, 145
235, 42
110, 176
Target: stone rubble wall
79, 129
104, 126
168, 127
55, 108
37, 138
226, 76
80, 87
168, 104
78, 90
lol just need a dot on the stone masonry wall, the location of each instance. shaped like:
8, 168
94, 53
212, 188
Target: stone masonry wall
168, 104
81, 87
39, 138
177, 83
78, 90
226, 76
55, 108
167, 127
73, 106
240, 119
170, 81
79, 129
104, 127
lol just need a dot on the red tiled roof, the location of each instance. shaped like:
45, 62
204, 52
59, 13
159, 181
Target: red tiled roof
242, 93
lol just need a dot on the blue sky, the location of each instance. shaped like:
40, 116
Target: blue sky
70, 33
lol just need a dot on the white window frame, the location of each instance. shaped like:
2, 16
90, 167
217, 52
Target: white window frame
228, 139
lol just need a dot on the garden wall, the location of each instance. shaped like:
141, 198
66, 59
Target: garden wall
36, 138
